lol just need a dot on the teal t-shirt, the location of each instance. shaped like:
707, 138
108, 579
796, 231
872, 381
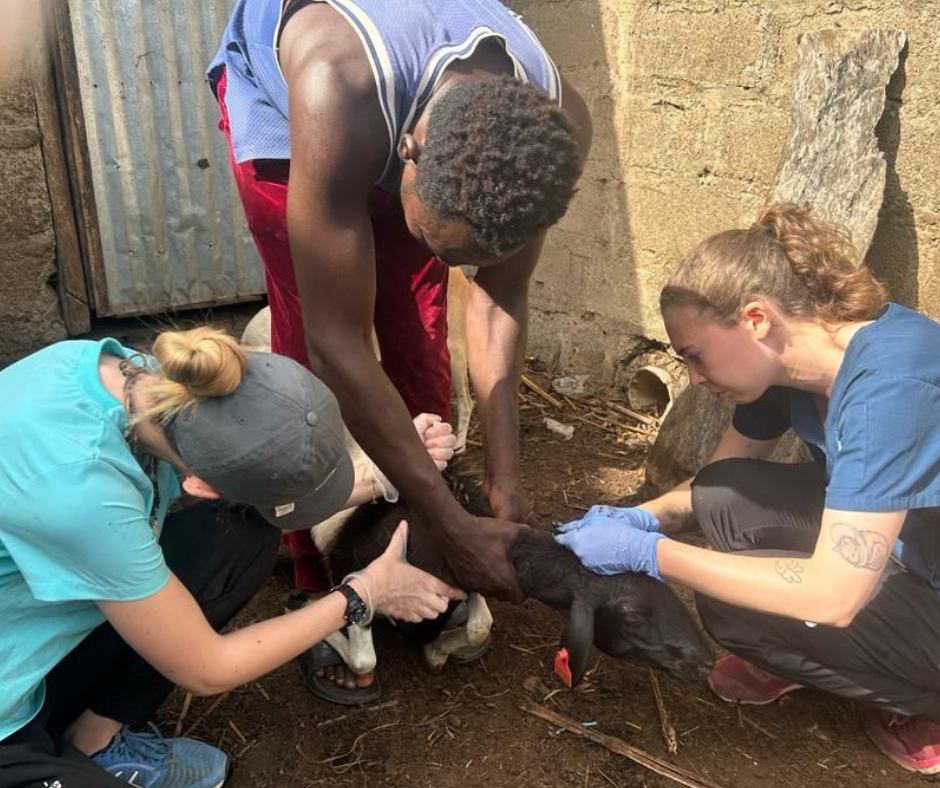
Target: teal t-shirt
75, 515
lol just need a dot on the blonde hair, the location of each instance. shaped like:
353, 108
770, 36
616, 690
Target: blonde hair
191, 366
808, 267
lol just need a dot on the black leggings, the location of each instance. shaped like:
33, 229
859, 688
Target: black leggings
889, 657
222, 555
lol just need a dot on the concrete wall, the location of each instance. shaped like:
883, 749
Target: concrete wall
29, 306
690, 100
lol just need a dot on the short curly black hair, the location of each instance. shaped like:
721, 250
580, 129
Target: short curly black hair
501, 156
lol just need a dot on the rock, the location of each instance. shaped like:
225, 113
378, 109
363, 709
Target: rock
687, 438
565, 430
832, 158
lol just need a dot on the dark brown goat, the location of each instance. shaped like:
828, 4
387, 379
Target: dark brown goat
629, 616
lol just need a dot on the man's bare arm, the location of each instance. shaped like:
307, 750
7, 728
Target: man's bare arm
339, 147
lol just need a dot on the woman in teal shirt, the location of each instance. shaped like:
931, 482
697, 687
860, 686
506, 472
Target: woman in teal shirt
821, 574
103, 605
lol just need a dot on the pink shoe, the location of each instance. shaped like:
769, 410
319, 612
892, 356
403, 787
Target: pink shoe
737, 681
913, 743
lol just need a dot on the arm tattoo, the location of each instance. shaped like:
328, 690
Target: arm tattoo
789, 569
862, 549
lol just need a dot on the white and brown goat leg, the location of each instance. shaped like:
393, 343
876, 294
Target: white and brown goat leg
458, 291
473, 633
355, 649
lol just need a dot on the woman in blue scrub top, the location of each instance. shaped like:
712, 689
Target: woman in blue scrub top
821, 574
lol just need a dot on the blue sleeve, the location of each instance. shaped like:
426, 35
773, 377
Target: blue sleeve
886, 452
80, 532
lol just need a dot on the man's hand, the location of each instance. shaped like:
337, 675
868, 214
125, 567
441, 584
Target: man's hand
508, 501
477, 550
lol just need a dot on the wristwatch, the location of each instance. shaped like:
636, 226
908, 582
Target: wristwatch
356, 610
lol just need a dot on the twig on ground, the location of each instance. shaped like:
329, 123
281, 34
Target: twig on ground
379, 707
759, 728
238, 733
356, 746
649, 421
694, 698
531, 384
183, 712
205, 715
245, 749
669, 732
354, 749
619, 746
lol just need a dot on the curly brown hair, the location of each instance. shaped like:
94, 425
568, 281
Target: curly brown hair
808, 267
501, 156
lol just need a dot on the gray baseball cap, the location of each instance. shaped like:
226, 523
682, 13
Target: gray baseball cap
276, 443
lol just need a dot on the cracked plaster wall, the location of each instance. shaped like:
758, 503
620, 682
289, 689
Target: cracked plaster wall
690, 102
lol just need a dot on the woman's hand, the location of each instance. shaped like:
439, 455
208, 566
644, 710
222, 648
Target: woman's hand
609, 545
399, 590
632, 516
439, 440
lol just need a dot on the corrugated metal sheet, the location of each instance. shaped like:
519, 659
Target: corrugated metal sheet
173, 233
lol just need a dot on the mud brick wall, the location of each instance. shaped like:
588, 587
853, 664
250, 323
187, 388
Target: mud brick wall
29, 306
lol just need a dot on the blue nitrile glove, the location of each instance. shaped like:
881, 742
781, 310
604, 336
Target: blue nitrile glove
632, 516
609, 547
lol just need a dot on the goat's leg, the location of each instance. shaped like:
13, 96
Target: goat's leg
461, 384
458, 291
356, 650
473, 633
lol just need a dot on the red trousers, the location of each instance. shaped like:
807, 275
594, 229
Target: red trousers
410, 306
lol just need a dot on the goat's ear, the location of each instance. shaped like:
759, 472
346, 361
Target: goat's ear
578, 639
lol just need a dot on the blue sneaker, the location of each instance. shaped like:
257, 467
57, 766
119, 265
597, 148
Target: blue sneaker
147, 760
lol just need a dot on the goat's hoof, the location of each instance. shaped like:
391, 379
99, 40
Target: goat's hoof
435, 660
473, 651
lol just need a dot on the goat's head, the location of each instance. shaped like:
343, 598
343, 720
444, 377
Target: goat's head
635, 618
629, 616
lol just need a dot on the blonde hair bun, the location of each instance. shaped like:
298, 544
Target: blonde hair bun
195, 364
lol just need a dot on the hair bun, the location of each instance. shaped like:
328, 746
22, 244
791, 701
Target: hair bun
206, 361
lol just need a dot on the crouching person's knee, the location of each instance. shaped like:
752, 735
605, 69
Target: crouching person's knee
714, 499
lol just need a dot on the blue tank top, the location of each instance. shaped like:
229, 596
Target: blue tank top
409, 43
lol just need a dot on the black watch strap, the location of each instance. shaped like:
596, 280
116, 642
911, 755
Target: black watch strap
356, 610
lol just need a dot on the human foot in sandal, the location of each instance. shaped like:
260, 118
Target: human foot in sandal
324, 672
326, 676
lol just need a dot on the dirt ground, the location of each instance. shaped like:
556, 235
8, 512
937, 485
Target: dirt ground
465, 727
